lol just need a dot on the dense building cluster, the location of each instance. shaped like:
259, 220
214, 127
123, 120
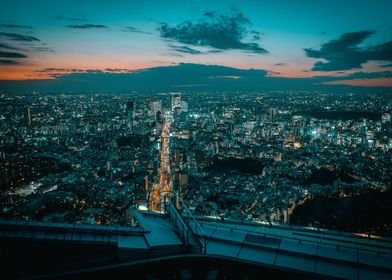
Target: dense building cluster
244, 156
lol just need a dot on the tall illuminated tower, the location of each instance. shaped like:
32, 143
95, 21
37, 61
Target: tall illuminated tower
175, 100
28, 115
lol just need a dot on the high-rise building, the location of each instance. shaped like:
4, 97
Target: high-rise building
159, 118
184, 106
183, 179
271, 120
130, 113
154, 107
28, 115
147, 183
271, 115
175, 100
130, 106
386, 117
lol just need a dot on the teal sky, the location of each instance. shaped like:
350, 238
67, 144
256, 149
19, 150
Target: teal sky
269, 35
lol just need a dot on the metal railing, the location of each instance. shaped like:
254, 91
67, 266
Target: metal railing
187, 231
65, 227
321, 239
178, 223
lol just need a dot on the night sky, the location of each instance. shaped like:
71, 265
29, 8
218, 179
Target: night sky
123, 45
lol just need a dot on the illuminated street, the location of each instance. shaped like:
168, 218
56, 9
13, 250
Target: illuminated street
164, 186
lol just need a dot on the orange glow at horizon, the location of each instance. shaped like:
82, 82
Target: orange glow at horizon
34, 71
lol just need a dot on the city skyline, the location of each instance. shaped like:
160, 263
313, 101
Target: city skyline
194, 45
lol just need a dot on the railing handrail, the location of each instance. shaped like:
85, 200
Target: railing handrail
71, 227
386, 249
176, 217
197, 237
192, 217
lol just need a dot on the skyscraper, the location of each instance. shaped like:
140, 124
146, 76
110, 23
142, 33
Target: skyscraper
130, 106
154, 107
28, 115
130, 113
271, 115
184, 106
175, 100
271, 120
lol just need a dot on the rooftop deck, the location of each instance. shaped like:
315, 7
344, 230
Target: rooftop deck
310, 251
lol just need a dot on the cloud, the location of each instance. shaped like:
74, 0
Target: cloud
87, 26
42, 49
62, 70
255, 35
386, 65
18, 37
118, 70
5, 25
362, 75
8, 62
225, 77
219, 31
185, 49
345, 52
52, 69
58, 72
377, 82
135, 30
11, 55
70, 18
364, 79
8, 47
381, 52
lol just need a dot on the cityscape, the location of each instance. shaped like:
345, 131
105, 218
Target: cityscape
250, 156
196, 141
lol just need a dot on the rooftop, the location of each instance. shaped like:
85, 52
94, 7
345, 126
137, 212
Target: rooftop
180, 239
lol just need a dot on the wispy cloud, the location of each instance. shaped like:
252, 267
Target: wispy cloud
11, 55
8, 47
118, 70
21, 47
70, 18
42, 49
18, 37
185, 49
8, 62
5, 25
135, 30
88, 26
60, 70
